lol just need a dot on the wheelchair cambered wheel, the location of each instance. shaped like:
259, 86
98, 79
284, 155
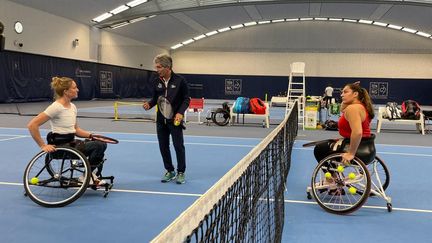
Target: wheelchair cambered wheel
57, 179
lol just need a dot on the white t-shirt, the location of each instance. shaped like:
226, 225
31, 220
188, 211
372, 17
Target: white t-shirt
63, 119
328, 91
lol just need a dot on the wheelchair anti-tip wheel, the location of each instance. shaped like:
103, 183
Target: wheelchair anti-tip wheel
57, 179
335, 185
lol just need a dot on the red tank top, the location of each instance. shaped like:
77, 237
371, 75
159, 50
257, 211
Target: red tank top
345, 129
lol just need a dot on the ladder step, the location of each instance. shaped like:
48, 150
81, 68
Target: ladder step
297, 83
297, 90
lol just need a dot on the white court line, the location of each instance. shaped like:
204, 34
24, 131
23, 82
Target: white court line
144, 141
404, 154
146, 134
17, 137
203, 144
381, 144
198, 195
366, 206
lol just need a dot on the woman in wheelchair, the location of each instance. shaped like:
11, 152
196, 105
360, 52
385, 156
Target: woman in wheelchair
354, 127
62, 114
348, 170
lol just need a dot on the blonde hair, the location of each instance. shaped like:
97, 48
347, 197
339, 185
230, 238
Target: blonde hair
60, 84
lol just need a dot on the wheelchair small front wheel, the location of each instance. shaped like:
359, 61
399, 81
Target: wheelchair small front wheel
335, 185
57, 179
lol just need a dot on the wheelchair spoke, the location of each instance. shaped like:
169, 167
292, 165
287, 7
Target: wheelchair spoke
53, 179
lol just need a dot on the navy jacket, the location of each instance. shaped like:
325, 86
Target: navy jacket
177, 94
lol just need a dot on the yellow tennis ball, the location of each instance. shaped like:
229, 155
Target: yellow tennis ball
176, 123
328, 175
352, 190
352, 176
34, 180
340, 168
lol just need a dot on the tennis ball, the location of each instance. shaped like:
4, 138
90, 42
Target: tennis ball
352, 190
352, 176
176, 123
328, 175
34, 180
340, 168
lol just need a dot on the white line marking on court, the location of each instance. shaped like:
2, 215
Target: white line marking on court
144, 141
405, 154
381, 144
199, 195
147, 134
11, 183
158, 193
366, 206
6, 139
204, 144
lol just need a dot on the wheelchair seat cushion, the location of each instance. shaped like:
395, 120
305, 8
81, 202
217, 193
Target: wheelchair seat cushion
365, 152
59, 139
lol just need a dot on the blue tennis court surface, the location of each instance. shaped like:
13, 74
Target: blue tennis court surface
137, 210
140, 207
409, 188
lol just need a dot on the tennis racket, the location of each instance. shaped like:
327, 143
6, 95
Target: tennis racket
104, 139
165, 108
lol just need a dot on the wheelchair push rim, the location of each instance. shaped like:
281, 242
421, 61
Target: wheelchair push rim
57, 179
336, 186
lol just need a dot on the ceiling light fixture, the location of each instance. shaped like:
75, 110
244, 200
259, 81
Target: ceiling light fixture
115, 26
136, 3
102, 17
119, 9
379, 24
361, 21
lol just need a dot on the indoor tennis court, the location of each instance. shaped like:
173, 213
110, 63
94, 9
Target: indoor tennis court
251, 92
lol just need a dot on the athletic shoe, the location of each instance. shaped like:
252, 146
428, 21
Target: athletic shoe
169, 176
180, 178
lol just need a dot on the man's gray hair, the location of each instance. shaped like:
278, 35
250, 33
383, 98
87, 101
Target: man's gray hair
164, 60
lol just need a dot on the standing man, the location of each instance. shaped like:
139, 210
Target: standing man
173, 88
328, 95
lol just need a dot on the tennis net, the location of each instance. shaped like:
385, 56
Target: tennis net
247, 203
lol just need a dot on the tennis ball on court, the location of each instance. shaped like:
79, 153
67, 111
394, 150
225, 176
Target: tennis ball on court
176, 123
328, 175
352, 176
352, 190
34, 180
340, 168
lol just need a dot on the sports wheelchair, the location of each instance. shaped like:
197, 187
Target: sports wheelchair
58, 178
220, 116
342, 187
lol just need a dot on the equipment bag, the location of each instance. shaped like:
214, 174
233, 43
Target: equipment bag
392, 111
241, 105
410, 110
331, 125
257, 106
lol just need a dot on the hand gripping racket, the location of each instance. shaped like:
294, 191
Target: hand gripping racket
104, 139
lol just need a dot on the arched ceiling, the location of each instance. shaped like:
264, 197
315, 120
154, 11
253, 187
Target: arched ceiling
178, 20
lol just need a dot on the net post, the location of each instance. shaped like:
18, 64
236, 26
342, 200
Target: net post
115, 110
